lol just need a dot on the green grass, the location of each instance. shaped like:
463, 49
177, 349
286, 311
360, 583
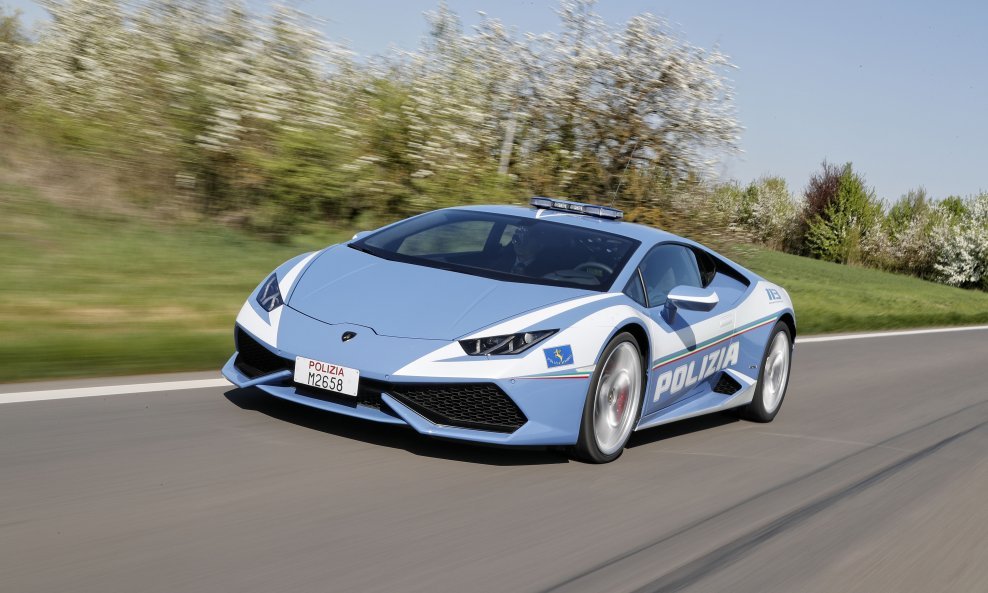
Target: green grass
830, 297
89, 294
82, 294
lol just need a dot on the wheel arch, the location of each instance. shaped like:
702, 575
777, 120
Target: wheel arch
790, 322
640, 334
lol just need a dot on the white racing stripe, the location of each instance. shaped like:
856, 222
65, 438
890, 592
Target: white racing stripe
892, 334
97, 391
100, 390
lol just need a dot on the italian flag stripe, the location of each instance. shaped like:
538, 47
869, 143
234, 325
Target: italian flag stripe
714, 341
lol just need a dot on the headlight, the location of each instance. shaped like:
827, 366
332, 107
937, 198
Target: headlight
509, 344
269, 297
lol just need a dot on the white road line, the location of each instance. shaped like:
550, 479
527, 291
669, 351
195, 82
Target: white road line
36, 396
50, 394
892, 334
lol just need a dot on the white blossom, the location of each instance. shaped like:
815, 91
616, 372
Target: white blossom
962, 246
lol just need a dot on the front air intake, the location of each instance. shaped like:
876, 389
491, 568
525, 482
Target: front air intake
255, 360
467, 405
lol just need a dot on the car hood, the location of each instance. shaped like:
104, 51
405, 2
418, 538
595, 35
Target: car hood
344, 285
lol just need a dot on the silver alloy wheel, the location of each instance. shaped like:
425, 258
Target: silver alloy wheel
776, 372
616, 402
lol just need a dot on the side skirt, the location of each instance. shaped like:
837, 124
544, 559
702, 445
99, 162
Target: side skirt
705, 402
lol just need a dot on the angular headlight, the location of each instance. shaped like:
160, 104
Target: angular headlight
269, 297
509, 344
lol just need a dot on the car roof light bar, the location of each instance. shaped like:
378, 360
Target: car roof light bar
577, 208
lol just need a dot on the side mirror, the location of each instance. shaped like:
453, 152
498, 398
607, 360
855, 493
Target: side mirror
690, 298
359, 234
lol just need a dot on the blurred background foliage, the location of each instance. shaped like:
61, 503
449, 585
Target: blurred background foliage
181, 109
260, 120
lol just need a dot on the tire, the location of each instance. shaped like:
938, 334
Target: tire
614, 402
773, 377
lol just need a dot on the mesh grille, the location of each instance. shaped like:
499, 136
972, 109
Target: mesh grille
254, 360
469, 405
727, 385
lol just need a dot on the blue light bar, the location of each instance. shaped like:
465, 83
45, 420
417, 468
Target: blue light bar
577, 208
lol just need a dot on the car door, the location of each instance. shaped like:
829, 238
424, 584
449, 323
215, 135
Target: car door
686, 352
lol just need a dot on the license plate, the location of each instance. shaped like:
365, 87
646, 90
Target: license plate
326, 375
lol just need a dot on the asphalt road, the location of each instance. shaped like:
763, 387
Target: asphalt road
872, 478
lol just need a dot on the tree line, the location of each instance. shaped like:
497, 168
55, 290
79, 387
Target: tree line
259, 116
840, 219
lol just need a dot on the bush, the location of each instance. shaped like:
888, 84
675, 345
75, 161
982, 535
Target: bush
764, 209
961, 244
902, 242
834, 233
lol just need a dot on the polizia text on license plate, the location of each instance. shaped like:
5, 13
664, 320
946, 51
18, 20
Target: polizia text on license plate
326, 375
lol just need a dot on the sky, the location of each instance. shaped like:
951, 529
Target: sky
900, 89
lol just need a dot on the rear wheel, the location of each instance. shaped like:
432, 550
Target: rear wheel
773, 378
613, 401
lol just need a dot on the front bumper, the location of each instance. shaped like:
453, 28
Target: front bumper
551, 408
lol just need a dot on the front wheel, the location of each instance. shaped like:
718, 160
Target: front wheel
773, 378
613, 401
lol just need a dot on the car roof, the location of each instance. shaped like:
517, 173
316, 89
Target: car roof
647, 235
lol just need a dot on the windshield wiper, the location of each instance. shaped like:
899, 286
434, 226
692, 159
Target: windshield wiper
363, 248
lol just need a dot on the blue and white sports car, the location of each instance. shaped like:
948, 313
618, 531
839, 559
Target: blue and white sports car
556, 324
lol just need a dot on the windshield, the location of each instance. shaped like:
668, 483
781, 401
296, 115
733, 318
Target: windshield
505, 247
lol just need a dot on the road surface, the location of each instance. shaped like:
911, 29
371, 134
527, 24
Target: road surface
872, 478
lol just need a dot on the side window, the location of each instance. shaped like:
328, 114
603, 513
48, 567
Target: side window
708, 267
634, 290
457, 237
666, 267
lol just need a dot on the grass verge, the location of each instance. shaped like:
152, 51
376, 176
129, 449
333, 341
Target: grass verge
834, 298
89, 294
86, 294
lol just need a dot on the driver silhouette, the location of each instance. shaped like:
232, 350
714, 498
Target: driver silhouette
528, 245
